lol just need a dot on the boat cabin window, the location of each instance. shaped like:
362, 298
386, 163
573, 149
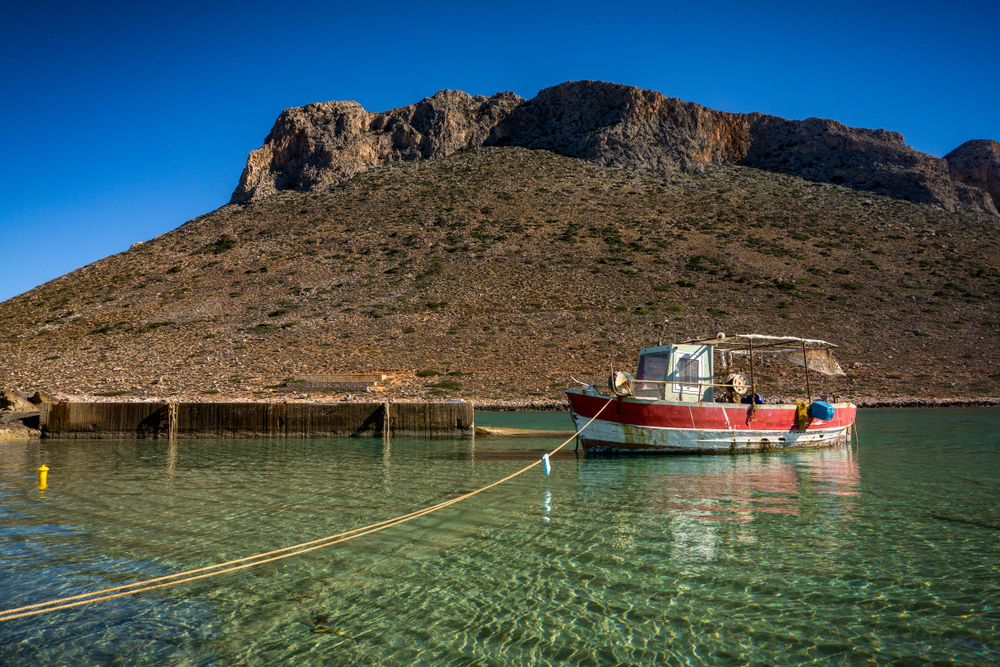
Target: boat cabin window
688, 373
652, 367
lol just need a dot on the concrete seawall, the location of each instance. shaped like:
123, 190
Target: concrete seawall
255, 420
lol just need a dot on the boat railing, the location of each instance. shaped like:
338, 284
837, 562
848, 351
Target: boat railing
835, 398
686, 384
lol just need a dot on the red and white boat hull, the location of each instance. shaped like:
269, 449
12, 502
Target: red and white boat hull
643, 426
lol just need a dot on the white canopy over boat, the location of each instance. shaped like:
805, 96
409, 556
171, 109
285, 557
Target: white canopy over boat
808, 352
760, 340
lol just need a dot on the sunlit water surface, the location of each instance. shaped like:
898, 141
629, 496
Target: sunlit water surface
883, 553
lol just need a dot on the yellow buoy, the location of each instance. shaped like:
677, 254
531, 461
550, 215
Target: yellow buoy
43, 473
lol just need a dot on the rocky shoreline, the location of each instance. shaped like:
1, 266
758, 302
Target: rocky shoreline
19, 425
958, 402
29, 405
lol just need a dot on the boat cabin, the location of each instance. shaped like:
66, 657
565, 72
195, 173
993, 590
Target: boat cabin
675, 373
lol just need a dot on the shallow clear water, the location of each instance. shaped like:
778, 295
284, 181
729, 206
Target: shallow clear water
553, 421
887, 553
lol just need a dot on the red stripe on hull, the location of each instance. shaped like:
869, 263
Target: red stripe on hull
702, 416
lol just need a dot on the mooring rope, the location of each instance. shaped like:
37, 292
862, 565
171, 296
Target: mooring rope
262, 558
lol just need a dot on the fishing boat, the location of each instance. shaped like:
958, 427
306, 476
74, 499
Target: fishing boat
674, 403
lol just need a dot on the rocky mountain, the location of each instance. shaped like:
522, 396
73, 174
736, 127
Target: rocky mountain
611, 125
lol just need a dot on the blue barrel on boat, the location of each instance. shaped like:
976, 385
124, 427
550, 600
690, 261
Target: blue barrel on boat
822, 411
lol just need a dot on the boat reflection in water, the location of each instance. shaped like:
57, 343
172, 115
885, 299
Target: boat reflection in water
701, 502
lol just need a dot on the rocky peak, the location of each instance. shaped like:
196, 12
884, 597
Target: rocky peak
329, 142
977, 163
623, 126
879, 161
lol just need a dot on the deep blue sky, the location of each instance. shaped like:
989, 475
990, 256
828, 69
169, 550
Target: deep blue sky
122, 120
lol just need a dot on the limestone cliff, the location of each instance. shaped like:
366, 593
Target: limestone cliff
876, 160
611, 125
623, 126
329, 142
977, 163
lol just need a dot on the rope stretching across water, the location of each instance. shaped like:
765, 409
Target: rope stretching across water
262, 558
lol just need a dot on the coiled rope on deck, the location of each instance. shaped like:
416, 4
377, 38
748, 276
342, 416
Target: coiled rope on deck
262, 558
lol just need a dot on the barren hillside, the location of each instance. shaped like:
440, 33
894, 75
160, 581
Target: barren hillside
510, 271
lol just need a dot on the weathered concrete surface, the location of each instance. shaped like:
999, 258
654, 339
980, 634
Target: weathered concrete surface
255, 420
423, 419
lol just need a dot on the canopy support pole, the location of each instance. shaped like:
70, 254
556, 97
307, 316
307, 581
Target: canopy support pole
805, 363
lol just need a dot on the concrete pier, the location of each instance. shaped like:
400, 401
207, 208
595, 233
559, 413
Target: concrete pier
255, 420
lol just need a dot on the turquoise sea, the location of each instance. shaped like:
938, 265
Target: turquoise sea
885, 553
